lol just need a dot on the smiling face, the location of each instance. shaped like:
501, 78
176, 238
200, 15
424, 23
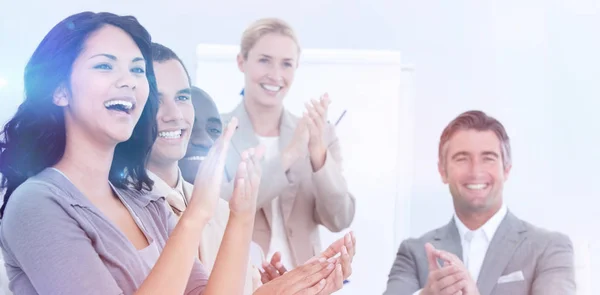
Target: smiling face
207, 129
175, 114
269, 69
473, 168
108, 87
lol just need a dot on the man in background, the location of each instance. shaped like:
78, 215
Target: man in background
485, 249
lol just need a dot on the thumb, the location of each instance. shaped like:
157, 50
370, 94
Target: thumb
431, 257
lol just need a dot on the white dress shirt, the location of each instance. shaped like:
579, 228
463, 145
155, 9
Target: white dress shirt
475, 243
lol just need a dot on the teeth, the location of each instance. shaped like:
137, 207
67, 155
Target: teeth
126, 104
195, 158
271, 87
170, 134
478, 186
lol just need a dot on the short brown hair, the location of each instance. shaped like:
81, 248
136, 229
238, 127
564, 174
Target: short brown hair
480, 121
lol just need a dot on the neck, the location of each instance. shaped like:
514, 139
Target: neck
168, 172
265, 119
474, 220
87, 164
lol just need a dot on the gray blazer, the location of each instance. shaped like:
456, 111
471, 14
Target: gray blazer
544, 258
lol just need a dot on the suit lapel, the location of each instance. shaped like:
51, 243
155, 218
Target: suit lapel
243, 139
286, 133
502, 247
447, 238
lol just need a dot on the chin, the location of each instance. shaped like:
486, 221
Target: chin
121, 137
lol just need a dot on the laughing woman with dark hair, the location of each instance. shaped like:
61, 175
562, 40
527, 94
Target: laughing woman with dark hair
77, 217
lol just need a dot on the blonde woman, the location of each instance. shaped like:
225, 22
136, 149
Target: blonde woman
303, 186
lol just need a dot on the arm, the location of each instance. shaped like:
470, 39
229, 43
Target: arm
229, 273
555, 273
335, 206
403, 278
51, 248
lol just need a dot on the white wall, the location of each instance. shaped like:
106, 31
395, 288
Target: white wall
533, 64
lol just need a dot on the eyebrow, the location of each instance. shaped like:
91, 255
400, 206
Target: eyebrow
185, 91
460, 154
493, 154
285, 59
112, 57
214, 120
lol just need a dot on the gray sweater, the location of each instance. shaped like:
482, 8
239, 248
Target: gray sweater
55, 241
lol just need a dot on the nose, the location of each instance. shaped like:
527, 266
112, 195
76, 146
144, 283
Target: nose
201, 138
169, 111
476, 166
275, 75
127, 79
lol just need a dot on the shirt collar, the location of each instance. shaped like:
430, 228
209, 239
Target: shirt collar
489, 228
175, 195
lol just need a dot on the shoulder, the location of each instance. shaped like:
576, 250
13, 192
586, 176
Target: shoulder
38, 195
416, 246
37, 207
546, 238
419, 242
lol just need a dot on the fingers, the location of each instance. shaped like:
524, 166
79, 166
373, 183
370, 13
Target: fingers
276, 262
214, 163
270, 271
431, 257
316, 289
334, 282
307, 275
346, 261
320, 109
314, 116
350, 243
333, 249
353, 249
264, 277
448, 257
222, 143
325, 101
455, 288
336, 247
446, 277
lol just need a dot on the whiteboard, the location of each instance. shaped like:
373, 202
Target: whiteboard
368, 85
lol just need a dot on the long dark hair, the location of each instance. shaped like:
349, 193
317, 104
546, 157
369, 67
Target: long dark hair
35, 137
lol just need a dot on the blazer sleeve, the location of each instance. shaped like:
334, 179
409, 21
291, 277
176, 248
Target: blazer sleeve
403, 278
335, 205
555, 271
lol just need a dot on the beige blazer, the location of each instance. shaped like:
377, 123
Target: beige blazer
308, 199
213, 232
522, 260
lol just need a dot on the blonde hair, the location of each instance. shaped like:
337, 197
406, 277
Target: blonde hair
262, 27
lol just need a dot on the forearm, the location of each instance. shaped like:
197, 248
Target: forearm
335, 205
171, 272
229, 273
